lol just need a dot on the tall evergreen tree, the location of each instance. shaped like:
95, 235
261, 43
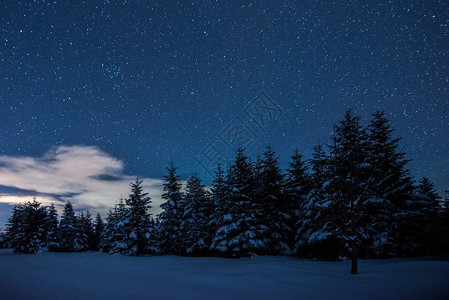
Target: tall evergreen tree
3, 239
51, 227
393, 190
350, 183
116, 228
319, 166
269, 206
219, 193
427, 188
389, 184
99, 227
71, 237
391, 179
195, 220
107, 235
67, 228
26, 227
138, 225
86, 229
332, 215
445, 225
296, 186
314, 235
427, 219
173, 209
13, 225
239, 233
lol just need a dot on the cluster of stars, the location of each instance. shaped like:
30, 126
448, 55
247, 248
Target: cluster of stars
154, 81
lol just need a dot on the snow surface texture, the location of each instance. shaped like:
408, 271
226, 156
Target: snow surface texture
92, 275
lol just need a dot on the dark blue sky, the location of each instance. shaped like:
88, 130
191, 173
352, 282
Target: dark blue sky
150, 81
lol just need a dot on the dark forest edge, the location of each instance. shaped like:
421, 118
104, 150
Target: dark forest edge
353, 198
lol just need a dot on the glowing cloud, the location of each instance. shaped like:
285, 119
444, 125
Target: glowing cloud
87, 176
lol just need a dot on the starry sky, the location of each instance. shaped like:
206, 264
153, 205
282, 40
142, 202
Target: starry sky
94, 93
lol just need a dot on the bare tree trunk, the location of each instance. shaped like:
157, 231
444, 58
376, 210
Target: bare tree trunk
354, 264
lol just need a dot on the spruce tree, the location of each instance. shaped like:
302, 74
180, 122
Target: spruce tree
107, 234
240, 233
333, 216
118, 229
314, 236
87, 229
445, 225
427, 219
26, 227
269, 206
350, 184
219, 193
138, 225
67, 228
173, 209
14, 225
71, 237
386, 175
99, 227
391, 179
195, 220
392, 189
296, 187
51, 227
3, 239
426, 188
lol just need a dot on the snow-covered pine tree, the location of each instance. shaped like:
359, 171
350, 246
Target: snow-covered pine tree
106, 236
153, 246
170, 238
391, 179
13, 225
86, 228
81, 231
257, 181
427, 188
138, 225
99, 227
219, 193
331, 224
390, 188
350, 185
313, 237
117, 228
26, 227
70, 235
296, 187
3, 239
445, 226
239, 233
269, 205
434, 235
156, 231
195, 220
51, 228
422, 236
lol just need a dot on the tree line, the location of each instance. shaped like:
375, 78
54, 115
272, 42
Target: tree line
353, 198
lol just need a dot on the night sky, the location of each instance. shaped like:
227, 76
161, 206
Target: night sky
94, 93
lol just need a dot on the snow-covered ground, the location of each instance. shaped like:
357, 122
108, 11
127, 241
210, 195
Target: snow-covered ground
101, 276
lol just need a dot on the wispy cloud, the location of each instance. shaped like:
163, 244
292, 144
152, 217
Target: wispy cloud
87, 176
